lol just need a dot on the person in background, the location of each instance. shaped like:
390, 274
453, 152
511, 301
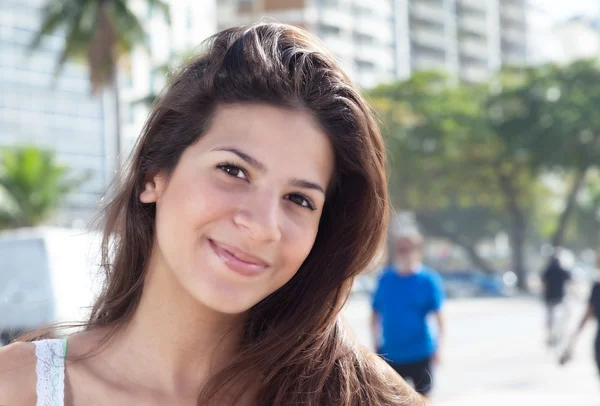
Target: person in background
554, 282
592, 311
407, 293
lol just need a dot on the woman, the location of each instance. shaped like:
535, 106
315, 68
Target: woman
592, 311
256, 193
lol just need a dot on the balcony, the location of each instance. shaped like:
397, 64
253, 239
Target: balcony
341, 47
474, 4
474, 49
473, 24
512, 12
474, 73
514, 35
429, 38
378, 7
381, 56
336, 17
428, 11
425, 62
375, 26
368, 80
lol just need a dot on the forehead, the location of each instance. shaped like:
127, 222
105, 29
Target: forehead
281, 138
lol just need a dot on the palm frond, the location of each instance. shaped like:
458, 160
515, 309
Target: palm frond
32, 183
54, 15
75, 42
128, 28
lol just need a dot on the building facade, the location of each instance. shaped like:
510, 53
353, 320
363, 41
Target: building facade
468, 38
192, 21
57, 113
359, 32
379, 40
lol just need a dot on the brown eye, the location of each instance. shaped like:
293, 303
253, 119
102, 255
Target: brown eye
301, 201
233, 170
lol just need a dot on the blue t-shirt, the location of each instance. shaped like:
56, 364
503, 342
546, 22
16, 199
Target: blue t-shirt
403, 303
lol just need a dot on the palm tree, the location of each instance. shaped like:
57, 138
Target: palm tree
32, 184
99, 33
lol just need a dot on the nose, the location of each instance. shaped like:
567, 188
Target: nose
258, 216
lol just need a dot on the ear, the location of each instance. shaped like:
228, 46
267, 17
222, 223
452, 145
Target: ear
154, 184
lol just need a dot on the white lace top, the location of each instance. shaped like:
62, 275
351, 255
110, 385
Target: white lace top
50, 371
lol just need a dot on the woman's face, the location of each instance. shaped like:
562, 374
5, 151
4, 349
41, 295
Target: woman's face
240, 212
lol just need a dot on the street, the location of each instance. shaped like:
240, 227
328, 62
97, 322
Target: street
495, 354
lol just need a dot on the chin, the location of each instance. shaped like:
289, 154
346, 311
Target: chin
226, 299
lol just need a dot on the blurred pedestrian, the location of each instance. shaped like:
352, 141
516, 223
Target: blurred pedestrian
554, 283
592, 311
408, 292
257, 192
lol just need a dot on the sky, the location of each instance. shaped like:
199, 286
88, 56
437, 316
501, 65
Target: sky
558, 10
542, 20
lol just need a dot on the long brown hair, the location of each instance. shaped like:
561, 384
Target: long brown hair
295, 349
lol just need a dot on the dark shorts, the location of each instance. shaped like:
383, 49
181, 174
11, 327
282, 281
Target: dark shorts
419, 373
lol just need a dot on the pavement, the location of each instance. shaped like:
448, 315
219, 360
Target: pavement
495, 355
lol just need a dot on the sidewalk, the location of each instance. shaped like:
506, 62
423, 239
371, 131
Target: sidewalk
495, 355
503, 360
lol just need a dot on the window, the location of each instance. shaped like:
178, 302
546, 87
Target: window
329, 30
245, 6
364, 39
365, 65
363, 11
428, 52
428, 26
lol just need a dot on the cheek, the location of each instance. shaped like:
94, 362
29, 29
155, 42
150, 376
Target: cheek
185, 207
296, 246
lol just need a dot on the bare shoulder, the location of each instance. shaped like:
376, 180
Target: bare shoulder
17, 374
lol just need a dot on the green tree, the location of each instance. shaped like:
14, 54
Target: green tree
433, 128
480, 152
584, 231
32, 184
98, 33
452, 169
550, 117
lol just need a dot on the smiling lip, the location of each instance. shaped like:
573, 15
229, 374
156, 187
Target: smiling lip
237, 260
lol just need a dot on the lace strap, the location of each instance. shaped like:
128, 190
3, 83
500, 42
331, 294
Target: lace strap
50, 371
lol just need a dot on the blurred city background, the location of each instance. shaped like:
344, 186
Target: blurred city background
489, 109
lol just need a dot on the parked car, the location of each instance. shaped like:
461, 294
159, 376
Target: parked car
473, 283
45, 277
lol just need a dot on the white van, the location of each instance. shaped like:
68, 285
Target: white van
47, 275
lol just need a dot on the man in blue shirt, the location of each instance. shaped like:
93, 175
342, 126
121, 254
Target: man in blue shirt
407, 294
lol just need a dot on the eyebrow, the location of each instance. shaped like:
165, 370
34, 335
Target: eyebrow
304, 184
255, 163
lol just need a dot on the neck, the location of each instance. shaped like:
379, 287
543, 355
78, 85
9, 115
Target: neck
405, 268
173, 343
